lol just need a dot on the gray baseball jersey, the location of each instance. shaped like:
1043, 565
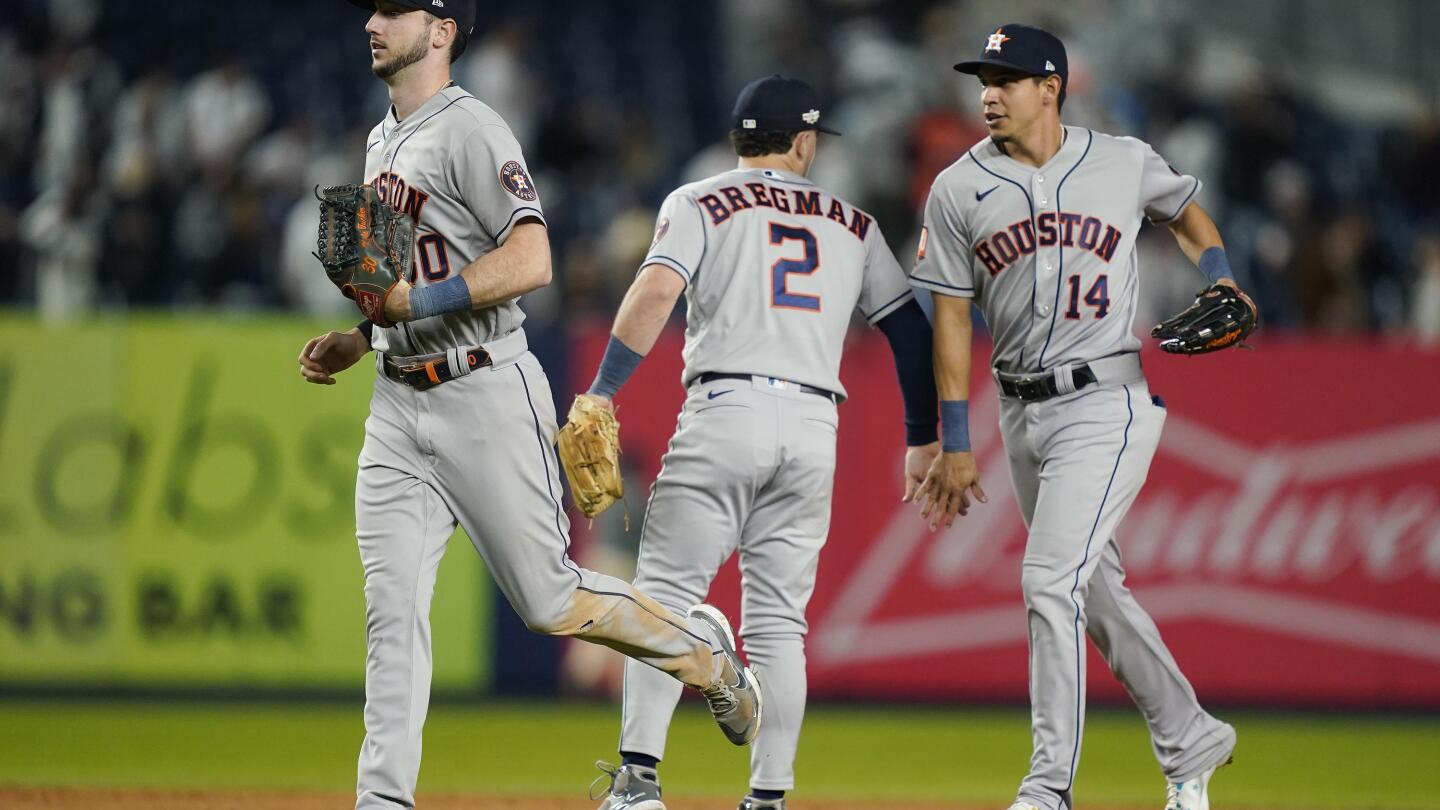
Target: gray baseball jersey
775, 266
454, 166
1049, 256
477, 451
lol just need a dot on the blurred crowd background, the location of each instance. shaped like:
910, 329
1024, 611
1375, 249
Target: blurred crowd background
145, 169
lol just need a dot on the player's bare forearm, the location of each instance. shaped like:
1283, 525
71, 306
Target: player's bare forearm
647, 306
953, 476
1195, 232
953, 330
519, 266
642, 316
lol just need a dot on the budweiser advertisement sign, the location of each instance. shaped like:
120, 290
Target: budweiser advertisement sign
1287, 541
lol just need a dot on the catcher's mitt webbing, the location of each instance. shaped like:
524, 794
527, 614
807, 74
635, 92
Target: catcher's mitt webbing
364, 245
1222, 316
589, 447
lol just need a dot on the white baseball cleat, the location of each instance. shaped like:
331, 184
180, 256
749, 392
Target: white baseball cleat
734, 698
632, 787
1192, 794
1023, 806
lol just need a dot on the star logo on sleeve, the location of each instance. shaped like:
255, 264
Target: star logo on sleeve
516, 181
995, 40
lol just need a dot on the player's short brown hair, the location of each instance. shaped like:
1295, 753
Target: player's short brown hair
749, 143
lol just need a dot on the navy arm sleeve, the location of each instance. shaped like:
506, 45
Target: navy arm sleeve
912, 343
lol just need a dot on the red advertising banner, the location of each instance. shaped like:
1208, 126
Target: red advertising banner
1287, 541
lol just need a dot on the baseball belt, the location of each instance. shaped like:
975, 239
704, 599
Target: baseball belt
1069, 378
430, 370
711, 376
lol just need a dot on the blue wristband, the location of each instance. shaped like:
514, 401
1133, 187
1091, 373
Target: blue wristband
615, 368
1214, 264
955, 425
450, 295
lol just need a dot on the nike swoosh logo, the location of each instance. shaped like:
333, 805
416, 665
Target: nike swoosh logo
714, 394
980, 195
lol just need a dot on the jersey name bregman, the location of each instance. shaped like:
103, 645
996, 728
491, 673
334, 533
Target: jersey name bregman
809, 202
1065, 229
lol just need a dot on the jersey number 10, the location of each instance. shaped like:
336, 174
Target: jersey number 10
780, 295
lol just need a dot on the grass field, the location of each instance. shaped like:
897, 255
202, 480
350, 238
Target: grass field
919, 754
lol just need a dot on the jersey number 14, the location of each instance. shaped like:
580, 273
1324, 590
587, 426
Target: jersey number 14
1098, 297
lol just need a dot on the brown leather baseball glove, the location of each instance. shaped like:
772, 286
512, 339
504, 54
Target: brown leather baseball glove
589, 447
365, 246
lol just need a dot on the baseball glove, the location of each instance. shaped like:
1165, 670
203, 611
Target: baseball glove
590, 452
365, 246
1221, 316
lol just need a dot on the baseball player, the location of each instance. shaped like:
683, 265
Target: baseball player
462, 425
1037, 225
772, 267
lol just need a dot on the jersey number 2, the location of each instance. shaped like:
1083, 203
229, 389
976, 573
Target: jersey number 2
1098, 297
780, 295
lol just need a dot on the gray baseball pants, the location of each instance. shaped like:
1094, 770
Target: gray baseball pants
1077, 462
751, 467
478, 451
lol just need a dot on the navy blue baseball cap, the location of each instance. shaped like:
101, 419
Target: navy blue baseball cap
461, 11
778, 104
1030, 50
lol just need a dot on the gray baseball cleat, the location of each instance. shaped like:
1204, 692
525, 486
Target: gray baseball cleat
752, 803
632, 787
735, 698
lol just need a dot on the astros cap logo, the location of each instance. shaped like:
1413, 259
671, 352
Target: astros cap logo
995, 40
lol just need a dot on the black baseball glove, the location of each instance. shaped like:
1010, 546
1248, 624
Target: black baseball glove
365, 246
1222, 316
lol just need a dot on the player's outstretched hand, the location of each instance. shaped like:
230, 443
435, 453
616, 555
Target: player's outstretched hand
917, 464
947, 489
330, 354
